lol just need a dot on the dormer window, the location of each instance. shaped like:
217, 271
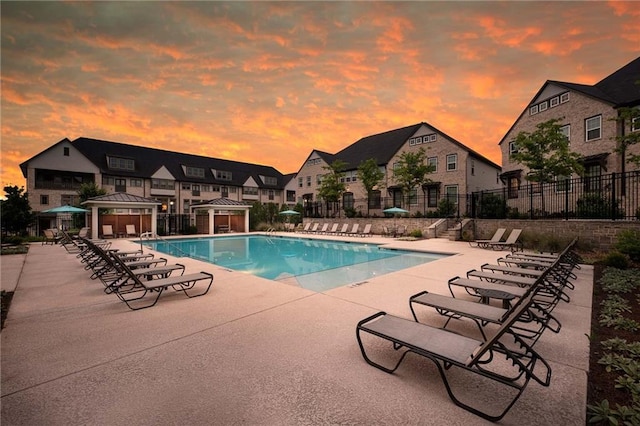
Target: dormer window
222, 174
270, 180
118, 163
195, 172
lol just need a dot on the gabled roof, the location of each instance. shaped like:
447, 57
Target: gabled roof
222, 202
149, 160
382, 147
23, 165
618, 89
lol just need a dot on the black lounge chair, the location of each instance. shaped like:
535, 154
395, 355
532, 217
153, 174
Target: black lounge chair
511, 243
448, 350
141, 288
487, 243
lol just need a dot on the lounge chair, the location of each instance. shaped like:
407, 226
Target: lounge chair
486, 243
107, 231
50, 237
400, 230
483, 314
511, 243
510, 364
386, 232
306, 227
344, 229
366, 232
334, 229
134, 299
314, 228
324, 228
131, 231
354, 230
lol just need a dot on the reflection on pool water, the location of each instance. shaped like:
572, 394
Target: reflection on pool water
313, 264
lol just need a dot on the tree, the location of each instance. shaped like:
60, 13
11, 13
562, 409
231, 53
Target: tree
628, 117
16, 211
412, 171
90, 190
545, 152
370, 176
331, 188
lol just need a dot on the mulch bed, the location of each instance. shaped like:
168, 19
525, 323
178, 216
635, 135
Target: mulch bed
601, 384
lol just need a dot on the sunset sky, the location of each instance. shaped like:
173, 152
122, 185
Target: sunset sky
267, 82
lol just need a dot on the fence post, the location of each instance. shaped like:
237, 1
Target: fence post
612, 209
531, 214
566, 199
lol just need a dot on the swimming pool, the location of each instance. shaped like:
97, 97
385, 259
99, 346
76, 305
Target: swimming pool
313, 264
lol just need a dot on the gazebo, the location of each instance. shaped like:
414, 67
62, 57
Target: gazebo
122, 200
223, 209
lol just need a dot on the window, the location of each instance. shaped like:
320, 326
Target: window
69, 199
533, 109
44, 200
308, 180
433, 163
432, 138
271, 194
223, 175
185, 206
542, 106
473, 168
413, 197
433, 193
136, 183
593, 128
554, 102
121, 163
635, 124
224, 192
451, 192
347, 200
121, 185
563, 184
592, 177
513, 187
513, 148
186, 187
195, 190
270, 180
291, 196
250, 190
108, 180
205, 188
65, 151
396, 165
452, 162
215, 188
564, 97
375, 199
197, 172
162, 184
300, 182
566, 131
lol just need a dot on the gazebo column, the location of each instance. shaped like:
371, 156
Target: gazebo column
94, 222
246, 220
212, 213
154, 220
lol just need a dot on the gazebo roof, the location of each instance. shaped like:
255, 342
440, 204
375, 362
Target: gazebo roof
121, 198
222, 202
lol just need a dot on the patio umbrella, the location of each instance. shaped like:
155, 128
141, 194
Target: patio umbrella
64, 212
65, 209
289, 213
394, 211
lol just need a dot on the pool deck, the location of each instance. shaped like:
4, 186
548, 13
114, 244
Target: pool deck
251, 351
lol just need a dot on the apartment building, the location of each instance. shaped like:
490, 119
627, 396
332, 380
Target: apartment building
458, 170
176, 180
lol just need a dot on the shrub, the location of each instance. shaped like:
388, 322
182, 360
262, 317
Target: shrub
616, 260
594, 206
492, 206
446, 208
629, 243
416, 233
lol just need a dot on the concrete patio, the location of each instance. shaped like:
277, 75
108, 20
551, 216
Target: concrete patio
252, 351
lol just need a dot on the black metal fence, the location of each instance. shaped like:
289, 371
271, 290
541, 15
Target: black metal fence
613, 196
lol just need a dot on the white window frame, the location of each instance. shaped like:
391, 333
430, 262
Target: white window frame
533, 109
513, 149
588, 129
455, 162
564, 97
554, 102
543, 106
566, 130
433, 161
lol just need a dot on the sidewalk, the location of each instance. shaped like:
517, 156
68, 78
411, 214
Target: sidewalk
252, 351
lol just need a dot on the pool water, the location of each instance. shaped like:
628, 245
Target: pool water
313, 264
